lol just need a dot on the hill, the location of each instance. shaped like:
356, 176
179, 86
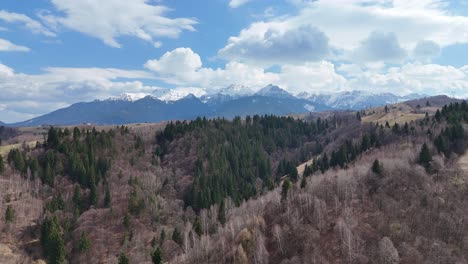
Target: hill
238, 191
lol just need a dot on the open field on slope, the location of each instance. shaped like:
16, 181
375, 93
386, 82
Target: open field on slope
398, 113
5, 149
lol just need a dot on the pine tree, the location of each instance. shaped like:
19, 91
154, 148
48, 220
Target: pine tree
197, 226
9, 214
156, 256
222, 213
84, 243
438, 116
162, 236
176, 236
107, 198
425, 156
2, 165
303, 182
123, 259
377, 167
52, 242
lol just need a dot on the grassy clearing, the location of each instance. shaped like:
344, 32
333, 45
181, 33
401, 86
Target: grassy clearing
5, 149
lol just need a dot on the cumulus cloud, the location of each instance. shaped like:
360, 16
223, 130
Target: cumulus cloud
429, 79
31, 24
6, 45
277, 45
25, 95
380, 46
425, 50
178, 61
109, 19
349, 23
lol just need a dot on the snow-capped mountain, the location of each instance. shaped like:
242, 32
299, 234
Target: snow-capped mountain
179, 93
356, 99
189, 103
129, 97
273, 91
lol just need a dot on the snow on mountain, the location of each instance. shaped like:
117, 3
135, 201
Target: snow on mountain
273, 91
355, 99
129, 97
179, 93
235, 90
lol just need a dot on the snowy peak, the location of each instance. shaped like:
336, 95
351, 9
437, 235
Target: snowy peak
273, 91
235, 90
128, 97
179, 93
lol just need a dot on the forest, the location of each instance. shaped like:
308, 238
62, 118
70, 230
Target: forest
232, 191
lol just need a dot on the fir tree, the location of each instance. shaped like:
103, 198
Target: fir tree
156, 256
84, 243
2, 165
425, 156
123, 259
9, 214
377, 167
176, 236
222, 213
107, 198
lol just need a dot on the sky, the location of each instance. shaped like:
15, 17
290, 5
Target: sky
54, 53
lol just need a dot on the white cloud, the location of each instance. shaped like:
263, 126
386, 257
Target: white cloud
425, 50
25, 95
237, 3
429, 79
110, 19
276, 44
33, 25
6, 45
183, 67
347, 23
311, 77
380, 46
178, 61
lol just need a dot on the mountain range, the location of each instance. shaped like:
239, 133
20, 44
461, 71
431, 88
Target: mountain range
232, 101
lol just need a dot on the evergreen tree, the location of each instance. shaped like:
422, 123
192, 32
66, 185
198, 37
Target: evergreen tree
107, 198
197, 227
84, 243
303, 182
77, 197
9, 214
123, 259
222, 213
377, 167
156, 256
285, 189
176, 236
52, 242
438, 115
2, 165
162, 236
425, 156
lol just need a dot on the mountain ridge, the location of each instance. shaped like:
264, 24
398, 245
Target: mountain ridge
141, 108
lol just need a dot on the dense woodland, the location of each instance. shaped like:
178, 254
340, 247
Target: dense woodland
228, 191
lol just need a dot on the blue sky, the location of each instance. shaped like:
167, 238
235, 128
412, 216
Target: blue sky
57, 52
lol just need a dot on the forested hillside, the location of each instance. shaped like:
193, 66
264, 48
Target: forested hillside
228, 191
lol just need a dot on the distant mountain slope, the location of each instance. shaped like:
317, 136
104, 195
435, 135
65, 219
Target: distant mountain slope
355, 100
235, 100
